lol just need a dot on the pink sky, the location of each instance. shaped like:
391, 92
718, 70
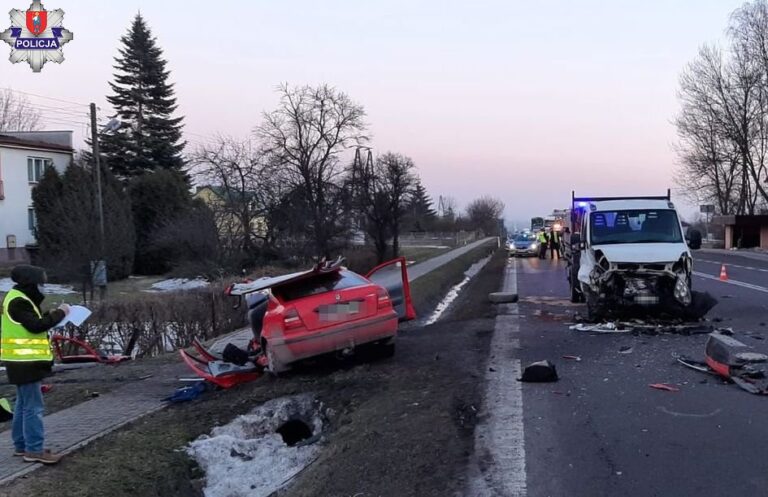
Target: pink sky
520, 100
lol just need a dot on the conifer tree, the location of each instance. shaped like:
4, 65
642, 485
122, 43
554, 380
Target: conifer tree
420, 215
150, 136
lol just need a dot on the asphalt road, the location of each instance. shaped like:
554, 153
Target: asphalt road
602, 431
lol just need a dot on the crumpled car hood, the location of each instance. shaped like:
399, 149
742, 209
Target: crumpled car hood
642, 252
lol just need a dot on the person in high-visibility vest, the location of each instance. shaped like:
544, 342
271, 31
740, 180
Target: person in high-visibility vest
542, 238
25, 350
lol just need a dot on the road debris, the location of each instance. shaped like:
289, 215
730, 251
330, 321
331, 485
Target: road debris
647, 327
184, 394
599, 328
539, 372
664, 386
502, 297
733, 361
626, 349
572, 357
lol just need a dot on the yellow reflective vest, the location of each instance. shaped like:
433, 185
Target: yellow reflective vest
16, 342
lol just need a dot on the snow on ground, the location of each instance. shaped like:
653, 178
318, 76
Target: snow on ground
453, 293
248, 458
178, 284
6, 284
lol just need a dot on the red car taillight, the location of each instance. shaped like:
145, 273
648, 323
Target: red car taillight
291, 320
383, 299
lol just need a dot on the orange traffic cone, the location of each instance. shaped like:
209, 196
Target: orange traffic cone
723, 273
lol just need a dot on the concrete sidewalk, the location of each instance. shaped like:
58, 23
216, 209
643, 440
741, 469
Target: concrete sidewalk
69, 429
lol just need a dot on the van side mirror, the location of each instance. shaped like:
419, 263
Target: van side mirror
694, 239
576, 241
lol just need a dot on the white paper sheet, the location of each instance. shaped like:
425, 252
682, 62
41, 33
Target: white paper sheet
77, 316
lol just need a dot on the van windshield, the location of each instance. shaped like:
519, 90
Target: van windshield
634, 226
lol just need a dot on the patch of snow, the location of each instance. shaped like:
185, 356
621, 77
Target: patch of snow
178, 284
248, 458
6, 284
453, 293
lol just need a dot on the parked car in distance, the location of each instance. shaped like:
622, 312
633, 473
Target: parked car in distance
524, 244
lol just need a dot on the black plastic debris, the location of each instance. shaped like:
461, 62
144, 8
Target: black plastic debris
234, 354
539, 372
701, 304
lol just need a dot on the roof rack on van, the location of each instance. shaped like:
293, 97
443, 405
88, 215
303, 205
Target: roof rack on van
575, 199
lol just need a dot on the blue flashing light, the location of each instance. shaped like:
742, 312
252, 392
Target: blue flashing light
582, 204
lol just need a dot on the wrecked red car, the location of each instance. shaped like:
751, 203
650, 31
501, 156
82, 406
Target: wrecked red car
301, 315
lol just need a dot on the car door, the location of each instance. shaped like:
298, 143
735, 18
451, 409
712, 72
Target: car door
393, 276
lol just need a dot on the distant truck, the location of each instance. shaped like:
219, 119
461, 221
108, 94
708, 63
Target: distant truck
627, 252
537, 224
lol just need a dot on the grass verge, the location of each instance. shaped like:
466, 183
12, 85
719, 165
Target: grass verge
431, 288
146, 458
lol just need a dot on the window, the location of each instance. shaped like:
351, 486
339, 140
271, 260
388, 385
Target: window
36, 168
635, 226
32, 220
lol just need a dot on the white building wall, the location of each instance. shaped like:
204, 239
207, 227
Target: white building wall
17, 191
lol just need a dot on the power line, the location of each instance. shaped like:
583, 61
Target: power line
47, 98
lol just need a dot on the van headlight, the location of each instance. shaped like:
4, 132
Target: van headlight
682, 290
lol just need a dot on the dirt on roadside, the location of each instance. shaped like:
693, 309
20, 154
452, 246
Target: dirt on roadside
400, 427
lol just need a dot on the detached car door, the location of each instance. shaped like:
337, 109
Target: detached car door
393, 276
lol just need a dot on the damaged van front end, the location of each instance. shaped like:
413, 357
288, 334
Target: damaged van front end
628, 255
619, 286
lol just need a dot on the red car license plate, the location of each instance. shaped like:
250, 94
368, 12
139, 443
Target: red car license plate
337, 312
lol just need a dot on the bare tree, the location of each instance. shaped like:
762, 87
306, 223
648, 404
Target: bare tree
484, 213
244, 194
711, 162
304, 138
17, 113
399, 179
382, 190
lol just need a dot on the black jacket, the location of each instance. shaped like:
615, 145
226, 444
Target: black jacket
28, 278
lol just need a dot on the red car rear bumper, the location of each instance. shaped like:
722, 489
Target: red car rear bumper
286, 350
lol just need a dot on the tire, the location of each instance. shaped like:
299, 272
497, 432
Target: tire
575, 294
595, 310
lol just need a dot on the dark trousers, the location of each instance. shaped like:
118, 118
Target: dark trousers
542, 250
554, 248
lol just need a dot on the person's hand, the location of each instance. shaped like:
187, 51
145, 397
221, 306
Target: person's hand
65, 308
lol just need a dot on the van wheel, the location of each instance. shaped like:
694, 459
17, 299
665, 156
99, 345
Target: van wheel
576, 294
595, 310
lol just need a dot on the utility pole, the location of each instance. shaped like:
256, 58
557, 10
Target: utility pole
100, 265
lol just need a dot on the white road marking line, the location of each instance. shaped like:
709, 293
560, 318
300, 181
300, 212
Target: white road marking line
500, 437
732, 282
733, 265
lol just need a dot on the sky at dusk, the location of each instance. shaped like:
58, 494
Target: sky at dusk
521, 100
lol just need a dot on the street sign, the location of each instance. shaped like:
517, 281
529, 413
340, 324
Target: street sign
708, 208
